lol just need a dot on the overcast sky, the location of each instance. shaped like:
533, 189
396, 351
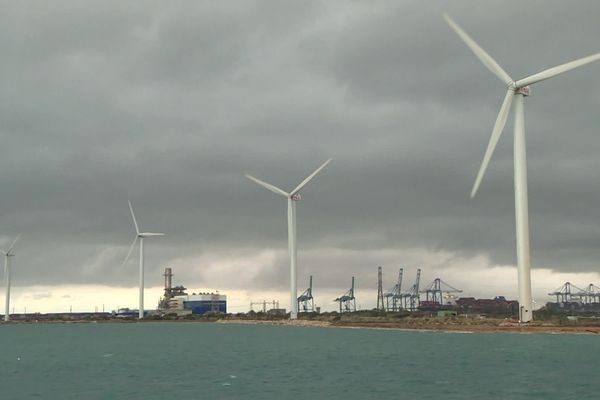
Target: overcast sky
169, 104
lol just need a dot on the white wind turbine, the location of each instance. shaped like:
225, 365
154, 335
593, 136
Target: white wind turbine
292, 198
7, 255
516, 90
140, 235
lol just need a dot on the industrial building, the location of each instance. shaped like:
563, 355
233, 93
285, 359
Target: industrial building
497, 305
199, 304
176, 300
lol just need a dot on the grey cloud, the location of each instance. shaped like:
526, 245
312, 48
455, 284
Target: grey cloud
169, 105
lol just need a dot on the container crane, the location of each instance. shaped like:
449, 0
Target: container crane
393, 298
411, 298
305, 301
589, 295
435, 291
347, 301
564, 293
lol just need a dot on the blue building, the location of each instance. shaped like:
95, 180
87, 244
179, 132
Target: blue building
199, 304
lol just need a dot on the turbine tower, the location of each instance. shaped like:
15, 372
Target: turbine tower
139, 235
516, 91
292, 198
7, 255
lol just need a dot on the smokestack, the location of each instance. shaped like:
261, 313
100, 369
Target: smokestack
168, 278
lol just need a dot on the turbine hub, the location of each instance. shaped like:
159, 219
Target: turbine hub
525, 91
296, 197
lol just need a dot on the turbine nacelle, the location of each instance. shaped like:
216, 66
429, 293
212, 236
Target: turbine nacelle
525, 91
296, 197
9, 252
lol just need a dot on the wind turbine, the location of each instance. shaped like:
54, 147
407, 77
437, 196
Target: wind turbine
292, 198
516, 91
7, 255
139, 235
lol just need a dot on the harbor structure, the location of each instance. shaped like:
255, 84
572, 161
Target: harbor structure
393, 297
306, 302
347, 301
436, 292
411, 298
572, 298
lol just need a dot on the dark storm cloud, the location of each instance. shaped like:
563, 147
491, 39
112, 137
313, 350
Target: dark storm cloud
168, 105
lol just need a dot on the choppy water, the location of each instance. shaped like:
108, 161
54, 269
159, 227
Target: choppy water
213, 361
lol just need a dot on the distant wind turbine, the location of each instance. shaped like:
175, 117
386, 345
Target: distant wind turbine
7, 255
292, 198
516, 90
139, 235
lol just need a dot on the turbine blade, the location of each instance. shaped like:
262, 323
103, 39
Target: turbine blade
129, 252
484, 57
13, 243
550, 72
496, 132
137, 230
308, 178
268, 186
150, 234
4, 252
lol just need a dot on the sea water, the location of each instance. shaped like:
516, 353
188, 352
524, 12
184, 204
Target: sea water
227, 361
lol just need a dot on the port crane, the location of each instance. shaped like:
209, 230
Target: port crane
347, 300
591, 294
411, 298
393, 298
564, 294
435, 291
305, 301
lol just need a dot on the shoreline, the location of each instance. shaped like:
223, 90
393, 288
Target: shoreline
507, 327
416, 324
